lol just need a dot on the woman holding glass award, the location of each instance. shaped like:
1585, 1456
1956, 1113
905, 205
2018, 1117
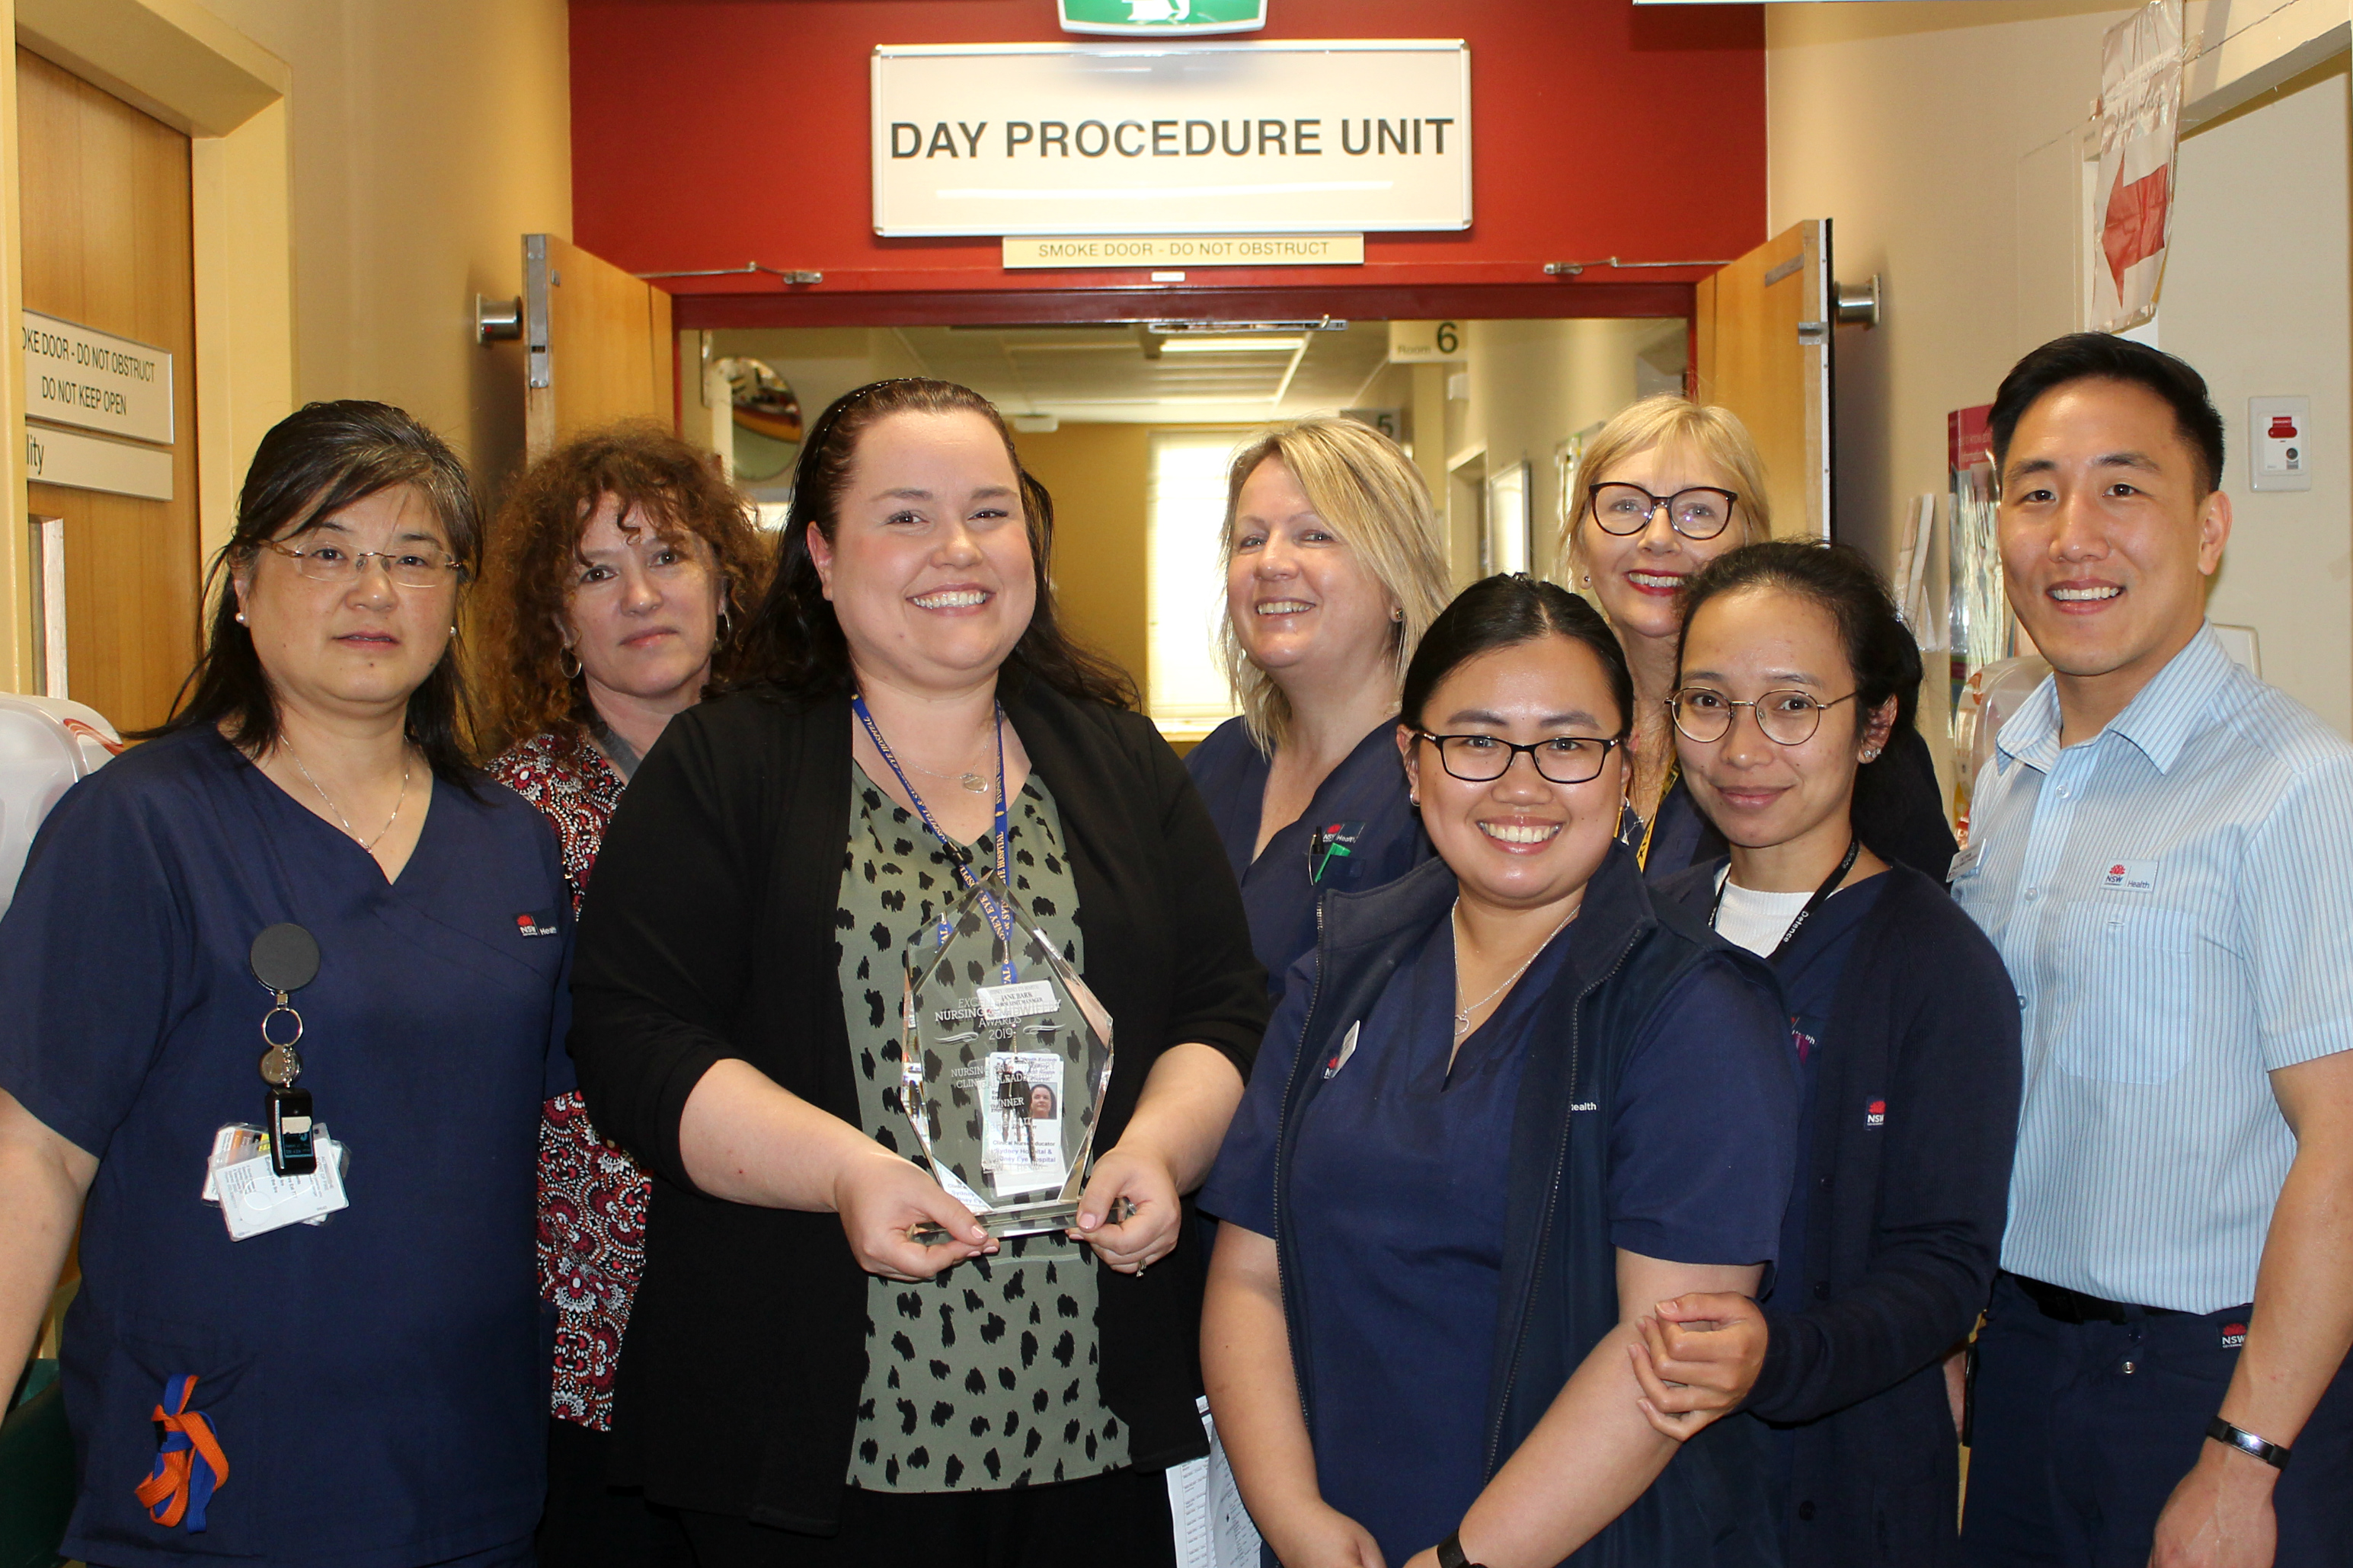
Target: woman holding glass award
1506, 1107
862, 913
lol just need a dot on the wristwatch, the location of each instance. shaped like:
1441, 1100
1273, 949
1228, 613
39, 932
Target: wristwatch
1450, 1554
2223, 1432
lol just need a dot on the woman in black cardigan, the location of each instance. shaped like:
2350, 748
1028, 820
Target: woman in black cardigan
806, 1380
1795, 675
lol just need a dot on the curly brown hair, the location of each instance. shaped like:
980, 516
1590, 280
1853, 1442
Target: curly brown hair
534, 548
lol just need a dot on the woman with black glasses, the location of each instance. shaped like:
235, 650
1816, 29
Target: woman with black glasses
1667, 487
1503, 1109
303, 857
1797, 678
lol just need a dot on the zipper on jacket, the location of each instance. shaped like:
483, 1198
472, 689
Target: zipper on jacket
1552, 1200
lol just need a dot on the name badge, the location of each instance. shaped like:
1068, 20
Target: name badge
1000, 1003
1339, 1059
254, 1199
2130, 875
1333, 841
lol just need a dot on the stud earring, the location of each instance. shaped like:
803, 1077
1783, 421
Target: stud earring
240, 618
1586, 581
1871, 755
1397, 615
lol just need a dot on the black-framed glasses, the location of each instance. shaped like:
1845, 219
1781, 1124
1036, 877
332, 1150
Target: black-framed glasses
1787, 718
333, 564
1560, 759
1697, 511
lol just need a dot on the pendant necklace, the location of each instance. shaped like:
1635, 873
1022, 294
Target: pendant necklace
397, 802
972, 782
1453, 921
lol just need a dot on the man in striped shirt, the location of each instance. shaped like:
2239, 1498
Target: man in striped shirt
2162, 848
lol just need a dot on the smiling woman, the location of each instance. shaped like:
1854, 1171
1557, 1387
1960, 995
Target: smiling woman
787, 861
1504, 1107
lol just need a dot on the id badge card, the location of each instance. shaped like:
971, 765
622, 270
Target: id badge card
241, 1178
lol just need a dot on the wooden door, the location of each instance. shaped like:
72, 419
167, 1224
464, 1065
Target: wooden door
108, 245
599, 345
1762, 348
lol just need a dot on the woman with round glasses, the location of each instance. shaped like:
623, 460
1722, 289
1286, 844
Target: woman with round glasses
1333, 568
1504, 1108
301, 858
620, 561
1796, 674
1668, 486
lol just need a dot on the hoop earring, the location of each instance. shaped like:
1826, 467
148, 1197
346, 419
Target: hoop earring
572, 674
726, 627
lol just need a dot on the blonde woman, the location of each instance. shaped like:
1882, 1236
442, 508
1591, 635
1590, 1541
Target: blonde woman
1666, 488
1334, 569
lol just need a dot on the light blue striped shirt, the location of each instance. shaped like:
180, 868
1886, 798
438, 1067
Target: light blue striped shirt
2174, 898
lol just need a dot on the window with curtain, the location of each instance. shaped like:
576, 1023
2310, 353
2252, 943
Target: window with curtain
1189, 695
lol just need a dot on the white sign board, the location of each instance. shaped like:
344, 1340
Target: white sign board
1221, 138
87, 463
79, 375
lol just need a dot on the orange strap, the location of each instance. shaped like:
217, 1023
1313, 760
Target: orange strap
177, 1487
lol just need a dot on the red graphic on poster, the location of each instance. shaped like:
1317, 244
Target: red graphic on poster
2135, 230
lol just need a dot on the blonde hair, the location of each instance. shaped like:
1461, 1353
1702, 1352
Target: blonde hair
1666, 419
1375, 500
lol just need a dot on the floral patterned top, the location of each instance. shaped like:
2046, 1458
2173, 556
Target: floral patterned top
591, 1196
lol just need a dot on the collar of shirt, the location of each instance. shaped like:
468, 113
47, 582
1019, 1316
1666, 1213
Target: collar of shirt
2160, 719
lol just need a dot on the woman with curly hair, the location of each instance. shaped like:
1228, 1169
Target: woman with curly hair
617, 569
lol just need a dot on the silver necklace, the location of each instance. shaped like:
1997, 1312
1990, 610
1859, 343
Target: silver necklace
968, 779
1454, 925
397, 802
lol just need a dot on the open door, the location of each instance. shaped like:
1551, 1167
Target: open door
1761, 347
599, 341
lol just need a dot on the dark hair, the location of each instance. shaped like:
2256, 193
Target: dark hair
1504, 611
1881, 654
2096, 356
534, 566
797, 640
311, 464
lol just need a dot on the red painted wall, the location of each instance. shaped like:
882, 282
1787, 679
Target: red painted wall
720, 132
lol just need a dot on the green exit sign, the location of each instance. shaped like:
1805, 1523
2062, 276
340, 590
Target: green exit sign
1136, 18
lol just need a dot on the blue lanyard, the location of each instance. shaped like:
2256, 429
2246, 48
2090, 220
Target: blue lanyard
1000, 919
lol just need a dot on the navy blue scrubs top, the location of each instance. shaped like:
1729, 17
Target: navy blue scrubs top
1359, 831
1397, 1195
377, 1382
1811, 973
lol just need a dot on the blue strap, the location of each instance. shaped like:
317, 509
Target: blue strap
1000, 919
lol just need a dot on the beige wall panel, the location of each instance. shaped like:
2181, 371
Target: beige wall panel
1100, 477
107, 243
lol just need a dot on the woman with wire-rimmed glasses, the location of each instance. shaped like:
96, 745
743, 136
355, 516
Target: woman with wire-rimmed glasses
1796, 677
1503, 1108
1666, 487
302, 842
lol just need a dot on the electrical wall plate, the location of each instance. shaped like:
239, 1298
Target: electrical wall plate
2279, 443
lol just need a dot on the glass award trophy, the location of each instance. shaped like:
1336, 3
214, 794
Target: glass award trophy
1006, 1059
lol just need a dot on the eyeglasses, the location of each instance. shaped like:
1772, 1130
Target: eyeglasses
333, 564
1483, 759
1786, 718
1699, 512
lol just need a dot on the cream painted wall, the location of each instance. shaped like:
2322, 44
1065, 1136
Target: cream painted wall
2272, 320
428, 137
1945, 142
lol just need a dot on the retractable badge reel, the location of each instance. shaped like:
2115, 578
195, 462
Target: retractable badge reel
285, 958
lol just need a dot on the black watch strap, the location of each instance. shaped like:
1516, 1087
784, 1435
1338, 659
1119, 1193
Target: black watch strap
2223, 1432
1450, 1554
